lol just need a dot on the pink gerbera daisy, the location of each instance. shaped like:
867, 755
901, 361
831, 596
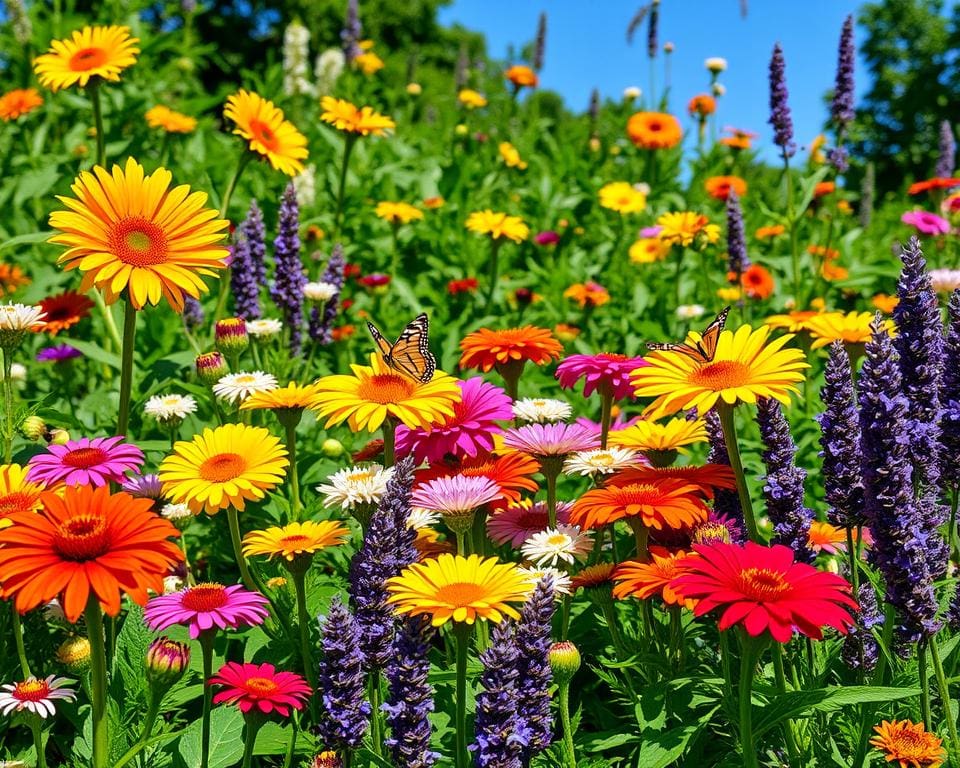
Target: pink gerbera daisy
206, 606
469, 432
606, 373
549, 440
455, 494
93, 462
926, 223
260, 687
518, 522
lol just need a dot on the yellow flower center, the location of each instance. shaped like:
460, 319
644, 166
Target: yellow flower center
223, 467
245, 378
762, 584
461, 593
262, 133
558, 540
138, 242
80, 538
261, 686
601, 460
87, 59
725, 374
385, 388
204, 597
31, 690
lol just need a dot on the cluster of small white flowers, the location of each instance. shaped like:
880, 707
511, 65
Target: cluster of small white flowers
320, 292
264, 328
176, 512
237, 387
296, 54
541, 410
305, 185
169, 407
327, 71
565, 542
631, 93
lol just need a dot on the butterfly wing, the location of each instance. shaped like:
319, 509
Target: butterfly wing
382, 344
683, 349
710, 337
411, 353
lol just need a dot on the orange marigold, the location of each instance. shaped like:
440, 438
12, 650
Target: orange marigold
767, 233
654, 130
719, 187
664, 504
908, 744
653, 578
757, 282
702, 105
18, 102
487, 349
824, 188
522, 76
12, 277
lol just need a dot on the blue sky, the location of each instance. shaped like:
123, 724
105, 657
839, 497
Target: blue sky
587, 48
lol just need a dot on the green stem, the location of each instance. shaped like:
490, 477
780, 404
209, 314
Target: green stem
565, 616
571, 754
108, 321
93, 91
726, 663
38, 745
349, 141
303, 618
126, 366
461, 632
18, 640
751, 648
493, 273
245, 574
206, 649
253, 723
296, 505
729, 426
244, 158
945, 700
389, 430
924, 683
788, 726
153, 709
551, 478
376, 714
641, 535
6, 355
611, 617
794, 243
98, 683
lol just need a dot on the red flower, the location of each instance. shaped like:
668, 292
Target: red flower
466, 285
374, 280
763, 589
260, 686
352, 270
935, 183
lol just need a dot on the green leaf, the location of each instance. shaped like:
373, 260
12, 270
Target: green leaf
132, 643
807, 188
801, 703
226, 740
96, 352
33, 237
35, 184
663, 749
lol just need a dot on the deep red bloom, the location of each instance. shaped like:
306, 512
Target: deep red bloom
934, 183
466, 285
763, 589
260, 686
374, 280
352, 270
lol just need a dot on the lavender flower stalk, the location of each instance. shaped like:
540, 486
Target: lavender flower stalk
946, 162
533, 640
840, 440
410, 700
860, 648
737, 260
867, 190
902, 547
841, 108
351, 32
950, 398
539, 47
193, 314
652, 29
783, 485
780, 117
345, 712
289, 276
321, 323
726, 503
248, 270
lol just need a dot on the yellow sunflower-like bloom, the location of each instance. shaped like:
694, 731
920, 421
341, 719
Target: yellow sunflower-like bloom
622, 197
791, 321
372, 393
685, 228
511, 156
463, 589
291, 397
398, 213
89, 52
498, 225
368, 63
223, 467
262, 124
169, 120
294, 539
344, 116
130, 232
17, 493
850, 328
744, 368
471, 99
654, 436
647, 250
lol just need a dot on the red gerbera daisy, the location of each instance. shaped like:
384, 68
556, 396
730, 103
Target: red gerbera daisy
64, 310
260, 686
763, 589
935, 183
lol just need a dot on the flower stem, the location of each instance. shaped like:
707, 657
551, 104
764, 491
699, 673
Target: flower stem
551, 478
751, 648
206, 649
349, 141
93, 91
788, 726
153, 708
461, 632
641, 536
38, 742
18, 640
253, 723
296, 505
376, 714
98, 682
729, 426
564, 696
794, 243
6, 355
108, 320
389, 430
924, 683
244, 158
126, 366
493, 272
945, 699
303, 619
234, 524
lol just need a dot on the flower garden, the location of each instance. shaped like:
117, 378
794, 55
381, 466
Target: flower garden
356, 421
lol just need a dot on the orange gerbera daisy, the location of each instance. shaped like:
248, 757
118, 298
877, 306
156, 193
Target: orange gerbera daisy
644, 580
522, 76
702, 105
86, 541
662, 504
263, 125
130, 232
90, 52
908, 744
719, 187
654, 130
705, 478
487, 349
738, 139
596, 578
757, 282
64, 310
512, 472
169, 120
935, 183
12, 278
18, 102
766, 233
824, 188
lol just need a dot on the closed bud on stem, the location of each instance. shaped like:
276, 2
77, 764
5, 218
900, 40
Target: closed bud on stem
58, 437
564, 662
211, 367
33, 428
230, 336
74, 654
167, 661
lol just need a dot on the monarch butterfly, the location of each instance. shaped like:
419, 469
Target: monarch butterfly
410, 353
704, 345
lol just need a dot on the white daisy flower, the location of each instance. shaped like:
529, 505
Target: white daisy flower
169, 407
319, 291
354, 486
561, 579
172, 584
631, 93
20, 317
264, 328
237, 387
715, 64
601, 461
690, 311
541, 410
36, 696
565, 542
53, 611
422, 518
945, 280
176, 512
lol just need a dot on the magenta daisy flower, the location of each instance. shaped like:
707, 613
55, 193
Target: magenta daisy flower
36, 696
206, 606
547, 440
454, 494
926, 223
518, 522
260, 687
606, 373
469, 432
93, 462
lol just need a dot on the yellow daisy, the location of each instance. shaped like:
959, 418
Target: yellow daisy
498, 225
289, 398
850, 328
90, 52
170, 121
511, 156
463, 589
294, 539
791, 321
654, 436
17, 493
398, 213
262, 124
130, 232
223, 467
344, 116
687, 228
471, 99
368, 63
622, 197
372, 393
744, 368
647, 250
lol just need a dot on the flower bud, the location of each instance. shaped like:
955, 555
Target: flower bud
332, 449
414, 89
74, 654
564, 661
461, 130
230, 336
33, 428
167, 660
211, 367
58, 437
326, 760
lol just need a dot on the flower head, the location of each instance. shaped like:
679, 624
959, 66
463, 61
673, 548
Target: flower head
850, 328
206, 606
294, 539
644, 580
512, 472
654, 130
36, 696
486, 348
517, 522
661, 504
926, 223
908, 744
94, 462
454, 495
522, 76
600, 461
935, 183
345, 117
61, 353
565, 542
719, 187
511, 156
541, 410
165, 408
237, 387
354, 486
19, 102
687, 228
587, 295
169, 120
293, 397
622, 197
17, 492
498, 225
673, 435
127, 231
260, 687
471, 99
398, 213
90, 52
604, 372
548, 440
263, 126
647, 250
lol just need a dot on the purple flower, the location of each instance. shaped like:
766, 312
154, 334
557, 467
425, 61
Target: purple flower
540, 44
737, 260
783, 485
550, 439
860, 647
192, 315
86, 461
946, 162
926, 223
410, 698
248, 271
840, 440
726, 503
549, 237
653, 231
143, 486
58, 354
652, 28
839, 158
950, 397
351, 32
841, 109
321, 324
345, 711
780, 117
289, 276
532, 637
